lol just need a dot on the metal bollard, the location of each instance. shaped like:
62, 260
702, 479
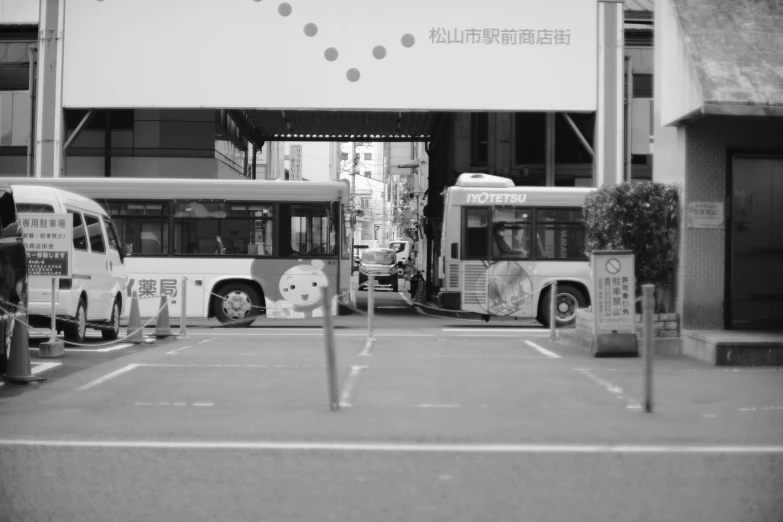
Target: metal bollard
370, 308
648, 306
553, 311
183, 296
331, 365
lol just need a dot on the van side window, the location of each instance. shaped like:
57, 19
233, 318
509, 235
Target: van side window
96, 233
111, 233
79, 238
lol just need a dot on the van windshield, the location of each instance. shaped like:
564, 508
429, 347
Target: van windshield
378, 258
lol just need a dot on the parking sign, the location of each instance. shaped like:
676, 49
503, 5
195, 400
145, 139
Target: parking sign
48, 242
614, 291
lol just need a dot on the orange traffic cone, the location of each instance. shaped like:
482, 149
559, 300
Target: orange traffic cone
135, 333
163, 326
19, 369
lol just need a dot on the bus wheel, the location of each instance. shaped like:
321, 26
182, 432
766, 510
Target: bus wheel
485, 318
238, 305
569, 300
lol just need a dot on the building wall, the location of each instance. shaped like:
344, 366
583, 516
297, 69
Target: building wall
707, 143
185, 168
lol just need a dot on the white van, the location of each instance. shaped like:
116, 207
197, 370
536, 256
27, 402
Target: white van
94, 296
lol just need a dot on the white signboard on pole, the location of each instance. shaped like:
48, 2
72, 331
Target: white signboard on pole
295, 162
48, 241
614, 291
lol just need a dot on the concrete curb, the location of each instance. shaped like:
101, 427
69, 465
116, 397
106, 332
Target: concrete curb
732, 352
581, 340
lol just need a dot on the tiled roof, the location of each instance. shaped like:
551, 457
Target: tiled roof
736, 47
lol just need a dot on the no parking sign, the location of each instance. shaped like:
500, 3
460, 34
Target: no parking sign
614, 291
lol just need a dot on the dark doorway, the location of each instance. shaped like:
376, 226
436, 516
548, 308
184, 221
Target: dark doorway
755, 276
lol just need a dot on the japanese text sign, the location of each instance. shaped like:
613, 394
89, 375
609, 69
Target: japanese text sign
48, 241
614, 291
704, 215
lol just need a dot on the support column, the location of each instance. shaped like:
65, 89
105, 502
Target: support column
609, 135
107, 143
49, 107
550, 149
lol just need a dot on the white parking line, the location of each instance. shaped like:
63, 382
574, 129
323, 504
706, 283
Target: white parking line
350, 385
367, 350
546, 352
406, 298
311, 334
400, 447
42, 367
108, 377
121, 346
176, 351
486, 330
611, 388
505, 357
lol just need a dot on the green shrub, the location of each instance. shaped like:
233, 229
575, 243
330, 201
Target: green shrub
640, 217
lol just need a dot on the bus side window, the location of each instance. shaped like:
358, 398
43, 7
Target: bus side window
475, 234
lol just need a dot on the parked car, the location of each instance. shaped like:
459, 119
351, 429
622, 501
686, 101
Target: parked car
95, 295
380, 263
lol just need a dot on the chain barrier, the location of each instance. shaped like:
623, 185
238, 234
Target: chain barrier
68, 320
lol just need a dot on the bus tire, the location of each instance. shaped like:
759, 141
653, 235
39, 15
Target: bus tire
76, 328
113, 331
569, 299
238, 305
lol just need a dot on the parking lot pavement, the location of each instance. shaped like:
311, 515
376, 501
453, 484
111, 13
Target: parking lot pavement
437, 384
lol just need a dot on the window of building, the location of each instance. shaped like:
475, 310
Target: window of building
365, 202
479, 138
642, 85
145, 226
367, 173
530, 138
368, 156
568, 146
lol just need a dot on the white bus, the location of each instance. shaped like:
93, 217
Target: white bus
247, 248
502, 245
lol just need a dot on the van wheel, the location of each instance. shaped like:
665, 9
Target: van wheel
238, 305
569, 300
76, 328
111, 333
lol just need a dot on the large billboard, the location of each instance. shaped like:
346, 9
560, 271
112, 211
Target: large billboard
332, 54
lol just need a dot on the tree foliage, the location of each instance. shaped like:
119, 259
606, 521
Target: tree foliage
640, 217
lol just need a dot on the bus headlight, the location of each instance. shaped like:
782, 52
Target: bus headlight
393, 270
362, 270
